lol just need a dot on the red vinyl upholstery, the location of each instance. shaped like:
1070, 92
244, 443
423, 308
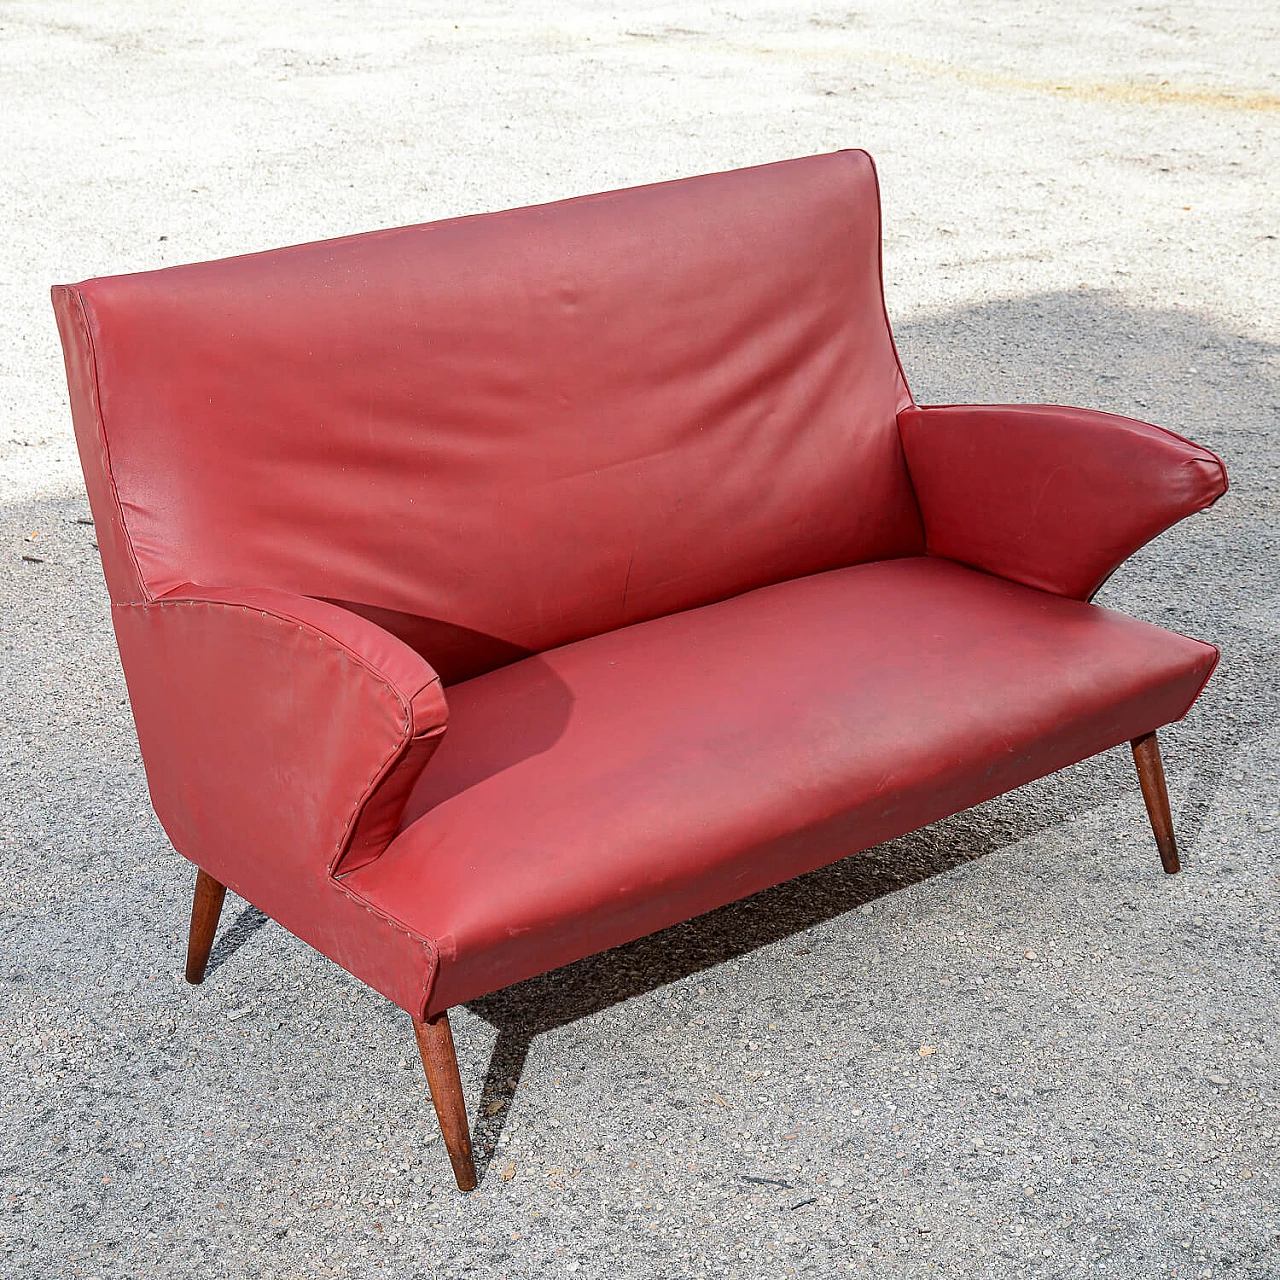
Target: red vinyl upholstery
499, 434
637, 479
282, 737
1065, 495
665, 769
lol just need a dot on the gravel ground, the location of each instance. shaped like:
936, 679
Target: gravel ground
1004, 1046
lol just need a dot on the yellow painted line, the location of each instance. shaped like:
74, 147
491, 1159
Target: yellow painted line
1163, 94
603, 36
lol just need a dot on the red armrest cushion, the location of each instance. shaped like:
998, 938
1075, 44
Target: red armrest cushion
1052, 497
275, 729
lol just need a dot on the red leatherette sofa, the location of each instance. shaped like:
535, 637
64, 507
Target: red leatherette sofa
495, 591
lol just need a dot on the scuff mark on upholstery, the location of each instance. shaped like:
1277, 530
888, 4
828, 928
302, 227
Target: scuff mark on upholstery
626, 584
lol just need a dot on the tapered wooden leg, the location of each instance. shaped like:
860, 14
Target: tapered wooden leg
205, 910
435, 1043
1146, 755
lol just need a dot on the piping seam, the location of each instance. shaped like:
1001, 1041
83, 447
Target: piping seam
319, 636
100, 426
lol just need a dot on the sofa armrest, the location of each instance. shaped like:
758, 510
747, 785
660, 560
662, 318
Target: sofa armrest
1050, 497
281, 735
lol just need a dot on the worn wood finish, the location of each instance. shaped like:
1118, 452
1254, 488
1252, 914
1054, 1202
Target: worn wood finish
205, 910
1146, 755
435, 1043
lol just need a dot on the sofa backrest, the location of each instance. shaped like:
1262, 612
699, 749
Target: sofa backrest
501, 433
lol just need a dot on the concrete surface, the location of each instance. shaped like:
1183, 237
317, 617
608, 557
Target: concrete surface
1005, 1046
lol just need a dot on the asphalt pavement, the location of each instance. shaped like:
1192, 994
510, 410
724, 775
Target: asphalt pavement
1005, 1046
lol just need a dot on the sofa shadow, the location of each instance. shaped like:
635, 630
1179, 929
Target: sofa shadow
1211, 759
457, 653
544, 1003
587, 987
229, 941
536, 707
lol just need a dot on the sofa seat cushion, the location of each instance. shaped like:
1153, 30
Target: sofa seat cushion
598, 792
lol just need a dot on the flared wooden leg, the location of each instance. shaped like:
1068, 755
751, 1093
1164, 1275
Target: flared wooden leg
1146, 755
205, 910
435, 1043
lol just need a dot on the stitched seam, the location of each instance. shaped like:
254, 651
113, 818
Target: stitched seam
1213, 666
417, 693
316, 631
1173, 435
884, 306
893, 346
319, 636
428, 944
101, 431
397, 750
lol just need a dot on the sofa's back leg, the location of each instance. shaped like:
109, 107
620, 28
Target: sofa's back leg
435, 1043
1146, 755
205, 910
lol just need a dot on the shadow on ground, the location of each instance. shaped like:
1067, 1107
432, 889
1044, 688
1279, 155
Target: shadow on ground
245, 925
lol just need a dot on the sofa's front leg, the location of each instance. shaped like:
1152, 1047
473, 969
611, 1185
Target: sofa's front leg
205, 910
435, 1043
1146, 755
